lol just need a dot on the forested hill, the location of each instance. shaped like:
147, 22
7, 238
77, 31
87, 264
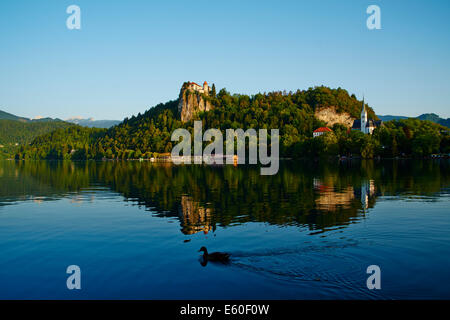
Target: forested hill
292, 113
426, 116
17, 131
8, 116
14, 133
435, 118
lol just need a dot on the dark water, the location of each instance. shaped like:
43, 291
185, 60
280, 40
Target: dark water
310, 231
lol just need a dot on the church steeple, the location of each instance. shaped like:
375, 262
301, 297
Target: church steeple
363, 117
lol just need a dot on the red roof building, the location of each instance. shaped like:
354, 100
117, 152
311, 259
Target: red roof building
320, 131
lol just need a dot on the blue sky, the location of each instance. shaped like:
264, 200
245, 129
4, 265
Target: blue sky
131, 55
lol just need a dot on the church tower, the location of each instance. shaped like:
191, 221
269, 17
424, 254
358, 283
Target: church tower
363, 118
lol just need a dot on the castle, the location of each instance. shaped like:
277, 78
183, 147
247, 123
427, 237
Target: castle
195, 87
365, 124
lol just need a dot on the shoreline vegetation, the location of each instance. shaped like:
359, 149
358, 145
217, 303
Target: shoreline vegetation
148, 135
316, 159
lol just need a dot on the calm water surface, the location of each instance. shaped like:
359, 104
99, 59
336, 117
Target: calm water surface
310, 231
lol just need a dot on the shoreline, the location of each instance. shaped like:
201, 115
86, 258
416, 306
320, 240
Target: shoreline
318, 159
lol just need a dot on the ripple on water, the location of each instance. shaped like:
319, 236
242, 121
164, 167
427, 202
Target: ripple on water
337, 272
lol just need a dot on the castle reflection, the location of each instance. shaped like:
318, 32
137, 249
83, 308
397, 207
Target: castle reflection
194, 217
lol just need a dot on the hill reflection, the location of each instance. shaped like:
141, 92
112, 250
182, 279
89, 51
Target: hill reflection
318, 196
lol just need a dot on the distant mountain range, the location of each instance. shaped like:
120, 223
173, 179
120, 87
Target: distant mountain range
94, 123
426, 116
8, 116
76, 120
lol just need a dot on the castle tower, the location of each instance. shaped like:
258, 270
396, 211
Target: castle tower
205, 87
363, 118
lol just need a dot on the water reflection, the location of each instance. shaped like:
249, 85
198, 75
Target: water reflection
318, 196
194, 217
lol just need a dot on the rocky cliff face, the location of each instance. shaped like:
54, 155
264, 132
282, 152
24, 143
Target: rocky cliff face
191, 103
330, 116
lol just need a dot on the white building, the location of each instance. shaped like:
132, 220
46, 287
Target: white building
365, 124
320, 131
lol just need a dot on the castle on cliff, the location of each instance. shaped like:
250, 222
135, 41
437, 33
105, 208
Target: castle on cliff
193, 99
195, 87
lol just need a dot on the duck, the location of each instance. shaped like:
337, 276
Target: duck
214, 256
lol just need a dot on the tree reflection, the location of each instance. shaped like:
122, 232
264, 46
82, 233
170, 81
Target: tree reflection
318, 196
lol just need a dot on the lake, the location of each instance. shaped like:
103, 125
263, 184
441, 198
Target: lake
308, 232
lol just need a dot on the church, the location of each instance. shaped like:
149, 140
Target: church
364, 124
